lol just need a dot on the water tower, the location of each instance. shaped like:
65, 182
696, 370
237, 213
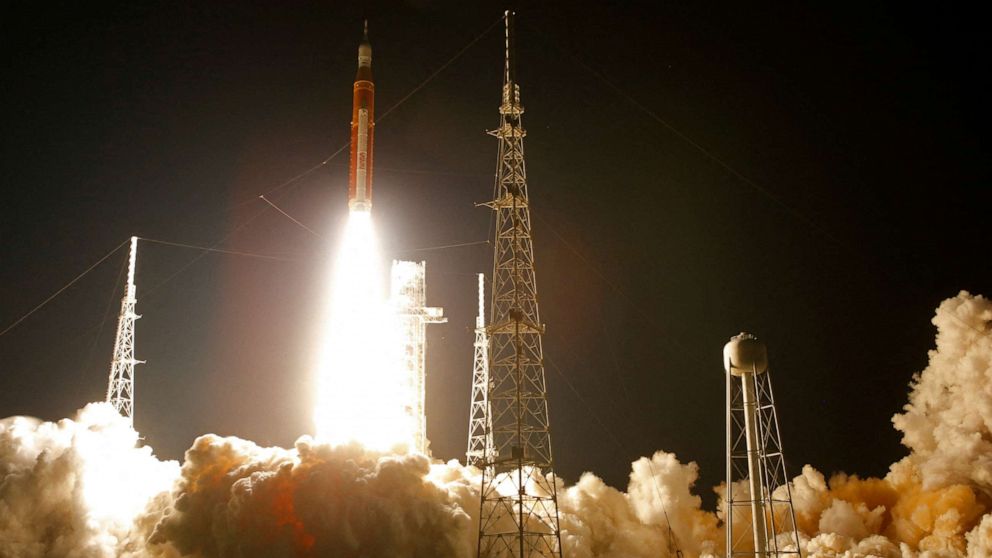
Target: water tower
758, 513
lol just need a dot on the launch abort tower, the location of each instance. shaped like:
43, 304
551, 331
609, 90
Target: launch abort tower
519, 502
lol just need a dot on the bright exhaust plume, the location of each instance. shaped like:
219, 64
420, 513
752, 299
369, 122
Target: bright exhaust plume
362, 388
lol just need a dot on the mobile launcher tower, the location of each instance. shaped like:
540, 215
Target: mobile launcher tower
408, 294
760, 520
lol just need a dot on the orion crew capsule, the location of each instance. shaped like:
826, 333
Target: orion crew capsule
362, 128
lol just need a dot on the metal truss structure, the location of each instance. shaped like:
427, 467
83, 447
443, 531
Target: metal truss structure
408, 293
120, 387
479, 430
519, 501
760, 520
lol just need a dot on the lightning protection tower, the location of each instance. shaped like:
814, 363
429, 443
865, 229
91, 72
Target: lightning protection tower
120, 388
519, 501
408, 288
761, 522
479, 430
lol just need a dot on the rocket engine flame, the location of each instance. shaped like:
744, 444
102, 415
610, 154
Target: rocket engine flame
362, 389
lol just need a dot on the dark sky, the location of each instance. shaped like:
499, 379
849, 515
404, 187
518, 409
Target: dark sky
860, 134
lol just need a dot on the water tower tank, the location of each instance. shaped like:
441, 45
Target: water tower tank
745, 354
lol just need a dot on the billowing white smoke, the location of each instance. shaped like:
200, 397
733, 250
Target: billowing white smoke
237, 499
600, 521
931, 504
80, 488
948, 421
75, 487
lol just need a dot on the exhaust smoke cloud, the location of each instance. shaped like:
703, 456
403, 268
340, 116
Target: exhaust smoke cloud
80, 488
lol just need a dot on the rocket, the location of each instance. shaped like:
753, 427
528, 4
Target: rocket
362, 128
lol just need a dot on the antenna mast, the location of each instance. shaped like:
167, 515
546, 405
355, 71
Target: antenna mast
120, 388
519, 500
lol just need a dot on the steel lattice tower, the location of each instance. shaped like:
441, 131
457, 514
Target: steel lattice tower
478, 427
760, 519
519, 501
120, 388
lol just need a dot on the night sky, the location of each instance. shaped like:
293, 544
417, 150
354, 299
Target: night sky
845, 193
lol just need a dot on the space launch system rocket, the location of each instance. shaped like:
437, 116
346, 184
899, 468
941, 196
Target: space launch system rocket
362, 128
